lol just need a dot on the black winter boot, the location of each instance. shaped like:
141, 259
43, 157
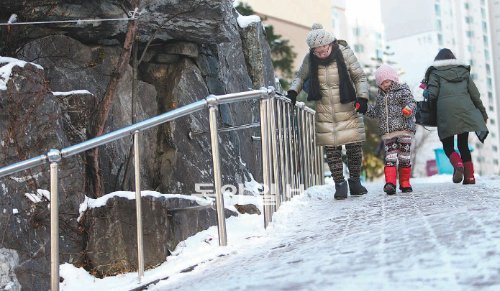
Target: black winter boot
356, 188
340, 191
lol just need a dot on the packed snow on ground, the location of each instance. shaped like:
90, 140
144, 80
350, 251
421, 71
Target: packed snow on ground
443, 236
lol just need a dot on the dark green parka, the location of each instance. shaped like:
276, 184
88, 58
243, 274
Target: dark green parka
459, 107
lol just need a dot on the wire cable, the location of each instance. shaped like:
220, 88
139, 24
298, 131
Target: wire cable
132, 15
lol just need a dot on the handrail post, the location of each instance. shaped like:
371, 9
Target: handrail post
294, 147
307, 140
266, 155
312, 153
316, 153
138, 207
275, 195
302, 151
219, 199
287, 142
54, 157
322, 165
282, 175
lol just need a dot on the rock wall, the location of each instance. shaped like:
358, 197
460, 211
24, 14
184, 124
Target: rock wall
196, 49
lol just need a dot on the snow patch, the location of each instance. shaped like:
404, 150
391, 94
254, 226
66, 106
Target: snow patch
101, 201
6, 69
245, 21
74, 92
253, 186
39, 196
25, 178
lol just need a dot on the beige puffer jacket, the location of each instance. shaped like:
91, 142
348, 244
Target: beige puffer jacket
336, 123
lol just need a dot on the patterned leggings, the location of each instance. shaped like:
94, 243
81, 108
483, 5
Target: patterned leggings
398, 149
354, 153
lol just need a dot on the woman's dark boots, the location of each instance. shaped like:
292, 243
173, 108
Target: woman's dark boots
356, 188
458, 168
469, 173
340, 191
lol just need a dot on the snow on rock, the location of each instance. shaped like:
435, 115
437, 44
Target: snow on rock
38, 196
245, 21
6, 65
101, 201
74, 92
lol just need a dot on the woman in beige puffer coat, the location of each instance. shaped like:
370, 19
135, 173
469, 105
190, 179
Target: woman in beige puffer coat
340, 90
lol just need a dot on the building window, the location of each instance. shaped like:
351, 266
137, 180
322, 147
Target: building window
470, 33
488, 69
359, 48
473, 76
357, 31
438, 24
466, 6
489, 83
440, 39
437, 9
485, 40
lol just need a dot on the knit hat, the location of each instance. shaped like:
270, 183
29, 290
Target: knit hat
385, 72
319, 37
444, 54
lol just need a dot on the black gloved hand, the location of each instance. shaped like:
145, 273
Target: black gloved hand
293, 96
361, 105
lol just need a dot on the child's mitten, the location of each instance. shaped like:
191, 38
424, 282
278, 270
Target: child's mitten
407, 111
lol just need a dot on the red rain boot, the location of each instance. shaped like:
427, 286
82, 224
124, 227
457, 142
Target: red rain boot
469, 173
404, 180
458, 167
390, 179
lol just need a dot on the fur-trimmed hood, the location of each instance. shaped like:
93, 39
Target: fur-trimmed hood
451, 70
452, 62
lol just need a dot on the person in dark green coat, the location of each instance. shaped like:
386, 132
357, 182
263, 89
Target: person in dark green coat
459, 111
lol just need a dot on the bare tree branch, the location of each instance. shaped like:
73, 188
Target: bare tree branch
107, 102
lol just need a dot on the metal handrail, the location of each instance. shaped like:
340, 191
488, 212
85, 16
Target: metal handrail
277, 117
130, 130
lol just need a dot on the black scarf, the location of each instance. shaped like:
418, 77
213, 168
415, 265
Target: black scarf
346, 88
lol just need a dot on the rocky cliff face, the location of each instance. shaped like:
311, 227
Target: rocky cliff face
191, 49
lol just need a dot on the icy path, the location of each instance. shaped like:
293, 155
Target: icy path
441, 237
